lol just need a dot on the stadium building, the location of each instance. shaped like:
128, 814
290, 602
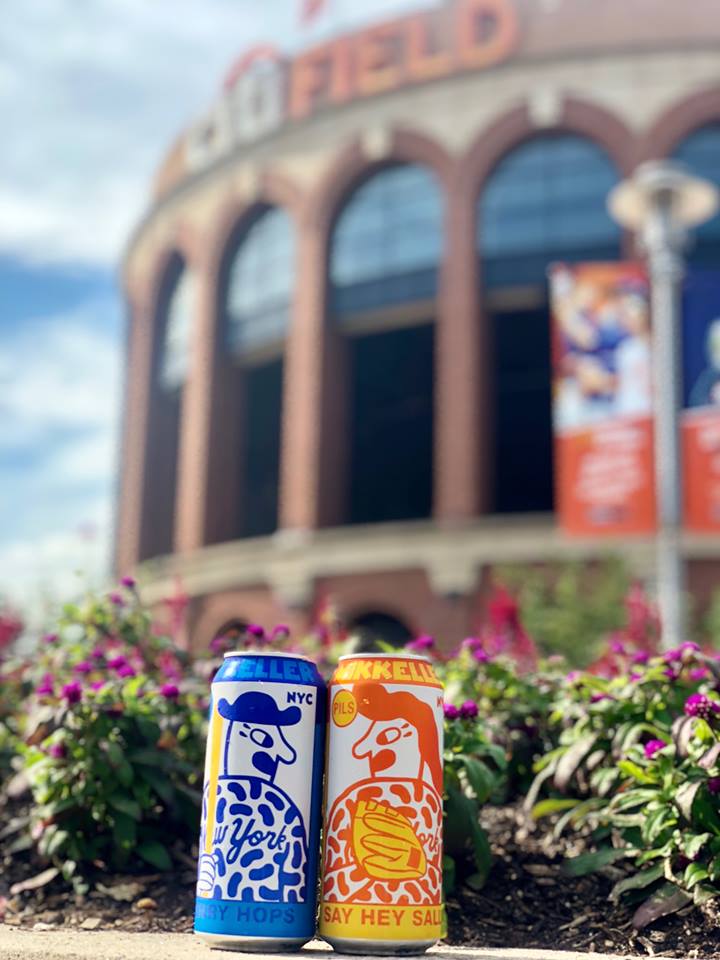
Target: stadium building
339, 351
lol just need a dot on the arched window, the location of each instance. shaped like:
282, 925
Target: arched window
176, 317
700, 152
260, 282
384, 260
172, 327
255, 294
387, 242
544, 202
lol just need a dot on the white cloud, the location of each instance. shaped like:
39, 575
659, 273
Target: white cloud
92, 93
59, 404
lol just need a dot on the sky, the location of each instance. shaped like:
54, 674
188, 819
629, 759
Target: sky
92, 94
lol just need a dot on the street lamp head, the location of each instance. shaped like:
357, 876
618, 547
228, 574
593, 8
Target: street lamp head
691, 200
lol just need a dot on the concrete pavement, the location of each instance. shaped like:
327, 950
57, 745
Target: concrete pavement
65, 944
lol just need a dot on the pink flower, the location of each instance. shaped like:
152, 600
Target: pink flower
127, 582
50, 638
699, 705
423, 642
169, 691
618, 647
468, 710
126, 671
45, 687
642, 656
714, 784
117, 663
72, 692
57, 751
652, 747
218, 644
116, 599
83, 667
280, 631
97, 684
698, 673
599, 697
97, 653
256, 631
451, 712
480, 655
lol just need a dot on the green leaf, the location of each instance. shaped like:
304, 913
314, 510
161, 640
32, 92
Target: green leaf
58, 841
553, 805
155, 854
635, 771
479, 777
448, 874
124, 831
637, 880
590, 862
159, 782
694, 873
126, 805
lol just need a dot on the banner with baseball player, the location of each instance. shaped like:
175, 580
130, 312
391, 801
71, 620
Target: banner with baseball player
700, 419
602, 398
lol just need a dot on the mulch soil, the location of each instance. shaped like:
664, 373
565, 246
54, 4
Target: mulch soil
527, 902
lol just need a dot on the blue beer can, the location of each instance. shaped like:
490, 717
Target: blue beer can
262, 798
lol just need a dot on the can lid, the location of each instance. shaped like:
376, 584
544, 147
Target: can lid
384, 656
267, 653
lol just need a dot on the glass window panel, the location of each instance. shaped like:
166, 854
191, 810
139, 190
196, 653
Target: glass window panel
545, 201
260, 284
178, 325
387, 241
700, 152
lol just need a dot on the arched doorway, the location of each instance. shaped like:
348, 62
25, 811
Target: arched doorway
544, 202
374, 626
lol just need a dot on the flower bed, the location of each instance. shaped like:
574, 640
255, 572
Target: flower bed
613, 771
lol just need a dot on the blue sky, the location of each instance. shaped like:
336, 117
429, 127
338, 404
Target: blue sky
92, 92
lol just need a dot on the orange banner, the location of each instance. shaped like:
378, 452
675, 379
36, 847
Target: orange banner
602, 399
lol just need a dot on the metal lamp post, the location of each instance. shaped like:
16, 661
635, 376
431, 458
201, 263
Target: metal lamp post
660, 203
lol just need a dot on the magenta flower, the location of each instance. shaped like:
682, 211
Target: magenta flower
670, 673
255, 630
451, 712
50, 638
57, 751
281, 630
471, 643
126, 671
480, 655
700, 705
635, 676
618, 647
117, 663
83, 667
423, 642
652, 747
72, 692
698, 673
217, 644
572, 676
683, 652
116, 599
598, 697
468, 710
714, 784
642, 656
45, 687
97, 653
97, 685
169, 691
128, 582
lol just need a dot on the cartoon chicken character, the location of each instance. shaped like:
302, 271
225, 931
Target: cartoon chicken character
384, 831
253, 839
